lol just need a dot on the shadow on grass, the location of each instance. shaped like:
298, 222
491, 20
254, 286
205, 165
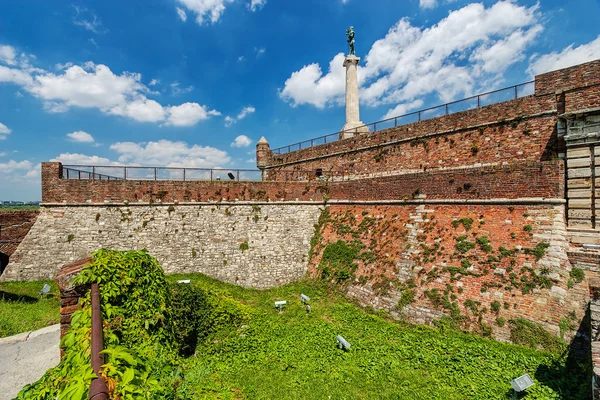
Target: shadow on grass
572, 379
17, 298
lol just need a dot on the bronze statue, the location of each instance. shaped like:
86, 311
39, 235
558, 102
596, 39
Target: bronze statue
350, 40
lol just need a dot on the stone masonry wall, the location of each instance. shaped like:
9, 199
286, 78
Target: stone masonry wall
203, 238
507, 262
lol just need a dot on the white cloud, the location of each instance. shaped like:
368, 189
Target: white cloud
344, 1
142, 110
176, 90
171, 154
2, 153
411, 62
182, 14
88, 20
403, 108
188, 114
8, 55
243, 114
241, 141
96, 86
259, 51
4, 131
568, 57
310, 86
256, 4
82, 159
241, 58
80, 137
427, 4
13, 165
205, 10
92, 41
154, 82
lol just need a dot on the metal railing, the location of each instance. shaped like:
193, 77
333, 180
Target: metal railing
469, 103
98, 172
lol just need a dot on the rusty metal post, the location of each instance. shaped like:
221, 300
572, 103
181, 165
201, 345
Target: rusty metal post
98, 389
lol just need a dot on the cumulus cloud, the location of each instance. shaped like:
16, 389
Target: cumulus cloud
182, 14
403, 108
4, 131
256, 4
411, 62
241, 141
568, 57
82, 159
96, 86
80, 137
188, 114
427, 4
13, 165
205, 10
243, 114
8, 55
171, 154
154, 82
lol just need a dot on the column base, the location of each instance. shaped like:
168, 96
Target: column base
352, 129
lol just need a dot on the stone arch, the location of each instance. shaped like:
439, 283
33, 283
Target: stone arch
3, 262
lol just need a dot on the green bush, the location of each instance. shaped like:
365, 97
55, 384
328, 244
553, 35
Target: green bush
577, 274
191, 316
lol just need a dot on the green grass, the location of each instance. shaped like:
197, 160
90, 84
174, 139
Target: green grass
19, 208
293, 355
22, 310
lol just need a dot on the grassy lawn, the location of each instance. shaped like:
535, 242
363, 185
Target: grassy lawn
293, 355
19, 208
22, 309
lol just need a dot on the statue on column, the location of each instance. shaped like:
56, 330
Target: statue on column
350, 40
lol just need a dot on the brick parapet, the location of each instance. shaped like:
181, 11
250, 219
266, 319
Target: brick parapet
15, 226
523, 180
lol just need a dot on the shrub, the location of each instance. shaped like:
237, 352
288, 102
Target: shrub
495, 306
577, 274
244, 246
191, 316
484, 243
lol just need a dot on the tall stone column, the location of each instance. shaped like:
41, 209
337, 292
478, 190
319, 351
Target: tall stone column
353, 123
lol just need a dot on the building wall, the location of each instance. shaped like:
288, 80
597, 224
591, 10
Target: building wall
15, 225
416, 248
184, 238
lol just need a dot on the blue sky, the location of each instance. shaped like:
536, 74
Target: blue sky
197, 82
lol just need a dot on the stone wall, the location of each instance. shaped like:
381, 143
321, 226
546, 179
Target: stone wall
211, 239
484, 265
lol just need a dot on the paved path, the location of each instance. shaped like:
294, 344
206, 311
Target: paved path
25, 357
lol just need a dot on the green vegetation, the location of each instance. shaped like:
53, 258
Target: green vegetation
466, 222
533, 335
22, 309
577, 274
463, 245
214, 340
244, 246
25, 207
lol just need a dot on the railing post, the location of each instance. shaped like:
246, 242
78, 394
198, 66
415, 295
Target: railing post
79, 174
184, 174
374, 126
446, 108
419, 116
516, 94
395, 122
98, 389
211, 177
155, 172
478, 102
93, 172
125, 173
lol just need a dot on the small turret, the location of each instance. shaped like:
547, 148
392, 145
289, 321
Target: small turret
263, 153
